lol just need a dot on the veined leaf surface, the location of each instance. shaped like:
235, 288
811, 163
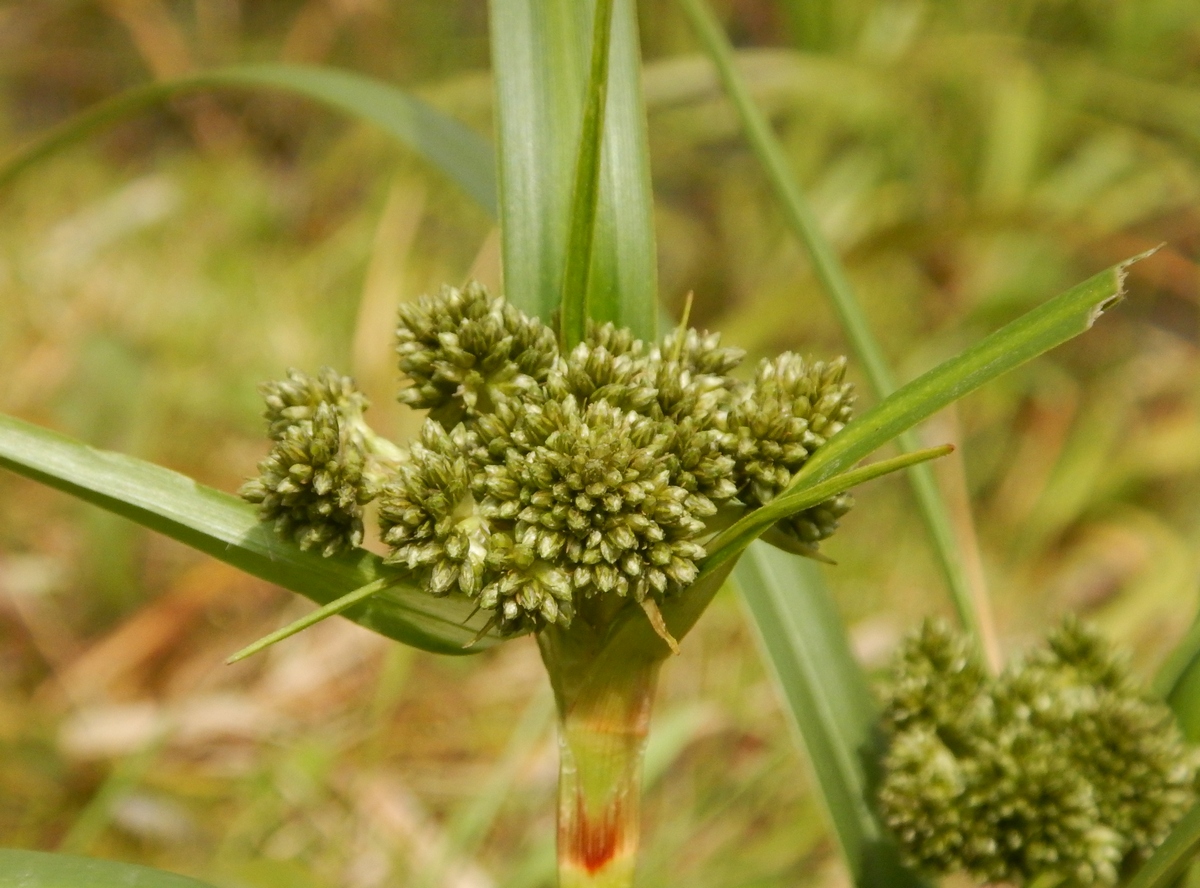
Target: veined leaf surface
228, 529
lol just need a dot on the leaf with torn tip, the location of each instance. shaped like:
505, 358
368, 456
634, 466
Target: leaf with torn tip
1037, 331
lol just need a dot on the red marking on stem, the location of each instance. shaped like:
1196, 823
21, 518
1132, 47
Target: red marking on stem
593, 841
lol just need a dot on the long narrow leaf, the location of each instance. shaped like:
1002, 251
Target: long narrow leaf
1178, 682
828, 703
335, 607
737, 537
540, 64
586, 192
833, 277
1172, 856
36, 869
228, 529
456, 150
1037, 331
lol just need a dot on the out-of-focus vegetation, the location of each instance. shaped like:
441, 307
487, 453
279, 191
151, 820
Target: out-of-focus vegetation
968, 158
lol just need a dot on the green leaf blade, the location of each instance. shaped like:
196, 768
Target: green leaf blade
623, 287
972, 610
228, 529
450, 146
38, 869
540, 63
1172, 856
1050, 324
737, 537
828, 703
586, 192
334, 608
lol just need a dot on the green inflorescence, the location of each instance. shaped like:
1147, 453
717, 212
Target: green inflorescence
544, 483
1061, 769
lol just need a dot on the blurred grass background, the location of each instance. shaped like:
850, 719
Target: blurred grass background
969, 159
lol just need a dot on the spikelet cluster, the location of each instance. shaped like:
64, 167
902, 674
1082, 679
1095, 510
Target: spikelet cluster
1061, 767
545, 484
464, 351
314, 483
792, 408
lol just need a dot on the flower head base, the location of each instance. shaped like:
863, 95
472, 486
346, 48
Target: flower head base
1060, 766
546, 486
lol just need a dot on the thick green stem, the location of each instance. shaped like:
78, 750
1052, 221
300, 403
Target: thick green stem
604, 720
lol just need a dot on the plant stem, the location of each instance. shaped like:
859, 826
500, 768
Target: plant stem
604, 721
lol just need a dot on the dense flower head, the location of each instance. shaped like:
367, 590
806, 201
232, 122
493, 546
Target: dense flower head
312, 484
428, 515
1059, 767
547, 484
793, 407
466, 350
596, 498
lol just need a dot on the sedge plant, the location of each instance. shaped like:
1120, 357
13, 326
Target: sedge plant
579, 478
566, 494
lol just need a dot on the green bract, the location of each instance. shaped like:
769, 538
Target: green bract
1061, 768
545, 485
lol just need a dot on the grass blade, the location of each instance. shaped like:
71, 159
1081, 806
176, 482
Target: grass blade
586, 193
36, 869
1178, 682
536, 53
1051, 323
624, 279
227, 528
828, 267
737, 537
1172, 856
540, 65
458, 151
332, 609
828, 703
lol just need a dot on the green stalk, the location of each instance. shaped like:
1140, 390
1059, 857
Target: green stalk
603, 725
604, 670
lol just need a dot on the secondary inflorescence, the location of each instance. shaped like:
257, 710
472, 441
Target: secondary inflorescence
1060, 769
544, 483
